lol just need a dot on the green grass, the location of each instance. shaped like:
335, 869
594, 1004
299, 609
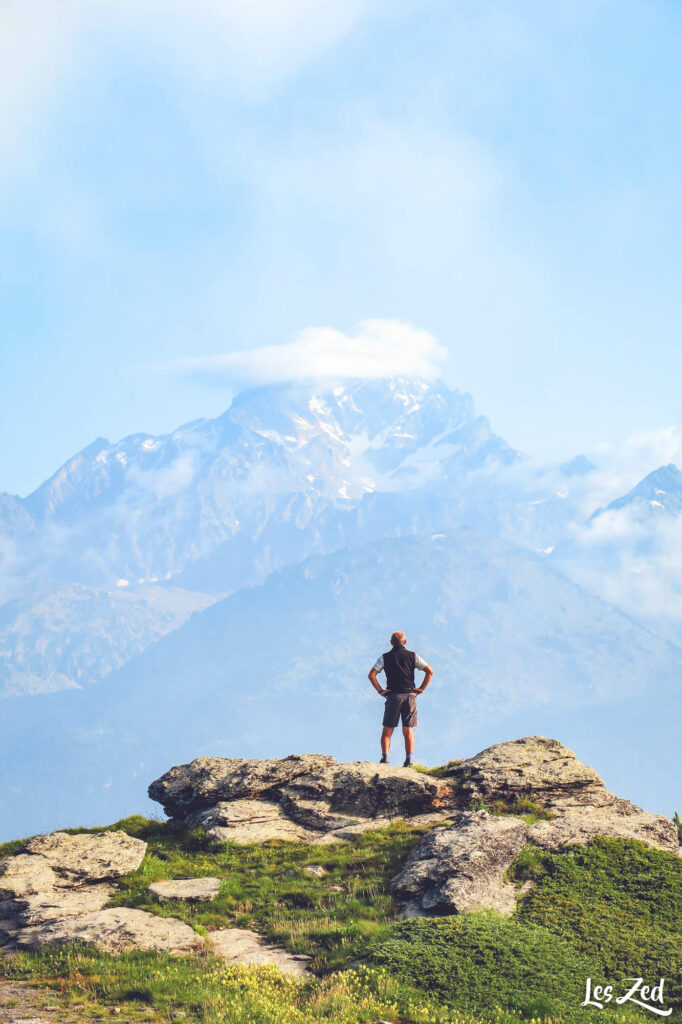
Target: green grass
156, 987
481, 961
265, 887
610, 910
439, 772
615, 900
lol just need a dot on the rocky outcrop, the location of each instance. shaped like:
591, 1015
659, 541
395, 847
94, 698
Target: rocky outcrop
620, 820
60, 861
550, 774
55, 890
210, 780
310, 798
461, 867
536, 767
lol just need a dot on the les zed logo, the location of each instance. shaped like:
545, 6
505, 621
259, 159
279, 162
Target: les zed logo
601, 994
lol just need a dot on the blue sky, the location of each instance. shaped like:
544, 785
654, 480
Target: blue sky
179, 184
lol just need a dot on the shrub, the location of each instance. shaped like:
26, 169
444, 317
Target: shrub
482, 961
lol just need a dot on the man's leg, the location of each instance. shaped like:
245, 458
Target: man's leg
386, 734
409, 720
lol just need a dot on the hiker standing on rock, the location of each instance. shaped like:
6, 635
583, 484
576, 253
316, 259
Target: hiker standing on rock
399, 664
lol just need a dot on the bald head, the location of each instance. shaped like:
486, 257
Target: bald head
398, 639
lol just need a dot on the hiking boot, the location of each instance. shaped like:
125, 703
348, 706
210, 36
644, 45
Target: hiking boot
384, 759
407, 763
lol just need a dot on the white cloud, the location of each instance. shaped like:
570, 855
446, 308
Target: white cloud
167, 480
379, 348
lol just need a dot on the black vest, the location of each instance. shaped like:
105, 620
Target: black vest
399, 669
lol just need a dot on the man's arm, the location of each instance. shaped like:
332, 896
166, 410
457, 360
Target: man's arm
428, 676
375, 682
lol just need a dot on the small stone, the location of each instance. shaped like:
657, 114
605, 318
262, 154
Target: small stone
194, 890
315, 869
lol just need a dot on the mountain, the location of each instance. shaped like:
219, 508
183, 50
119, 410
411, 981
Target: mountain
628, 552
286, 472
659, 492
74, 636
146, 508
283, 665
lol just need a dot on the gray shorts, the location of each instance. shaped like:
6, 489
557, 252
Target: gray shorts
400, 706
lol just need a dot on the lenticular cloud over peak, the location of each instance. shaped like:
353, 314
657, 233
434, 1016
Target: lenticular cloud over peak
378, 348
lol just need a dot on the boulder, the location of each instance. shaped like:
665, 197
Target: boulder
461, 867
536, 767
550, 774
621, 820
51, 906
306, 798
88, 857
23, 875
248, 821
55, 890
114, 930
242, 946
194, 890
207, 781
345, 794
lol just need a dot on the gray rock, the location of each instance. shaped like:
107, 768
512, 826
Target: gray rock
461, 867
114, 930
194, 890
315, 869
242, 946
56, 889
535, 767
23, 875
51, 906
552, 776
307, 798
345, 794
89, 857
207, 781
621, 820
248, 821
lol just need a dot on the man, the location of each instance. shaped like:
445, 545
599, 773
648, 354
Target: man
399, 664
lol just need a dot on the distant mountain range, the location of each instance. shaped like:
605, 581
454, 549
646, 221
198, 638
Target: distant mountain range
286, 472
228, 585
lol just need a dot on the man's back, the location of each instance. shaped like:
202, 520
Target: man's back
399, 666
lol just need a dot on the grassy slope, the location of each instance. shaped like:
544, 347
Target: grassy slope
609, 910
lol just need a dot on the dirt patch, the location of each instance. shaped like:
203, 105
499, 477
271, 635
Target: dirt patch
22, 1003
